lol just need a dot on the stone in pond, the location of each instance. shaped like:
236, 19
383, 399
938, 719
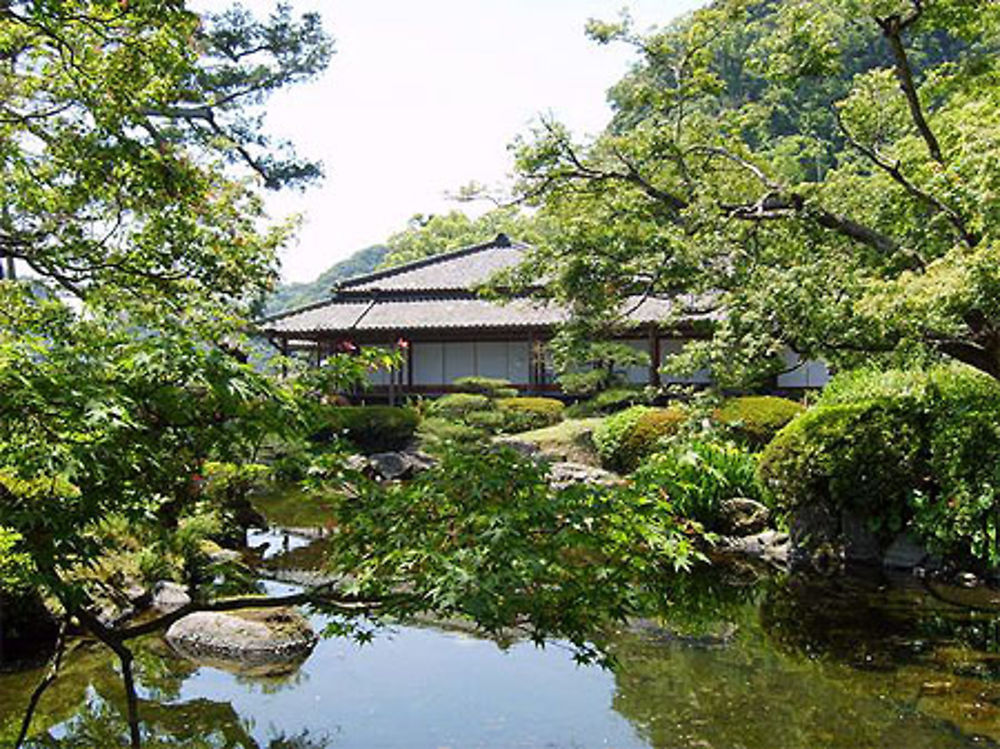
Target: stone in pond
248, 636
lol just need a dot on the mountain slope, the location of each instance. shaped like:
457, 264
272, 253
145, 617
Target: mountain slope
290, 296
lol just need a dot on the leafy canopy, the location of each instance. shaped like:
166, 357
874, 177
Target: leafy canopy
824, 172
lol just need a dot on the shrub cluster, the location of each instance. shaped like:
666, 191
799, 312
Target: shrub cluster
457, 406
754, 420
900, 448
369, 428
473, 415
494, 387
609, 401
628, 436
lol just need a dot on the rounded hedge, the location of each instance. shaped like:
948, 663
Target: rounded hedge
531, 413
457, 406
899, 449
755, 419
494, 387
625, 438
370, 428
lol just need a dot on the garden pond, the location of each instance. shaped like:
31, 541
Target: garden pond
745, 660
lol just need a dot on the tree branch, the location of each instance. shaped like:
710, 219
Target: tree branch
970, 238
892, 29
50, 676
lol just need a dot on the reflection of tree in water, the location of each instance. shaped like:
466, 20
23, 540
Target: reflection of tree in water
870, 622
696, 690
197, 724
86, 707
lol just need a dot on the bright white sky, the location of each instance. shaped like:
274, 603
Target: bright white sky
424, 97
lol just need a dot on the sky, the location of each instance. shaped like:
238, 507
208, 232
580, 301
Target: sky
424, 97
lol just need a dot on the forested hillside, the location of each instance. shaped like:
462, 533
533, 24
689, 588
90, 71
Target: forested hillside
290, 296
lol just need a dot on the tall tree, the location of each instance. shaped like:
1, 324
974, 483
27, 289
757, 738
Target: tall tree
132, 161
825, 172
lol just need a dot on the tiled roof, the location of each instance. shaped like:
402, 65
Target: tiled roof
461, 269
444, 313
434, 293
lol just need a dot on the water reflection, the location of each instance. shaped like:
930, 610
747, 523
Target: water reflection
738, 661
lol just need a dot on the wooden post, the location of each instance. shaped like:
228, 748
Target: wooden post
654, 356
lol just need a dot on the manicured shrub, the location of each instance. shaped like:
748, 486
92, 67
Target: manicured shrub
494, 387
457, 405
697, 477
628, 436
524, 414
608, 402
899, 448
755, 419
370, 428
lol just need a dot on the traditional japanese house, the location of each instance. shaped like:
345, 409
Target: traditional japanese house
431, 310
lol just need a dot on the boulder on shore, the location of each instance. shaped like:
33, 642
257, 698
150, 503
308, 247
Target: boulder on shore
248, 636
169, 596
743, 517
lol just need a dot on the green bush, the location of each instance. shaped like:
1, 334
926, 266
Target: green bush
755, 419
370, 428
899, 448
525, 414
608, 402
697, 477
494, 387
456, 406
628, 436
438, 431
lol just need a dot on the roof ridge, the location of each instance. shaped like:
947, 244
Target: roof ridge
500, 240
295, 310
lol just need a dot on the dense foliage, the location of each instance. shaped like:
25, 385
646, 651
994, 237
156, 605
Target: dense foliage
697, 477
824, 173
609, 401
370, 428
916, 449
483, 536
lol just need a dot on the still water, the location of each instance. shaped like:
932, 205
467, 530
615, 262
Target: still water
743, 662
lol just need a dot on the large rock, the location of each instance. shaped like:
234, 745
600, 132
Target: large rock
905, 553
742, 517
860, 544
169, 596
770, 546
249, 636
391, 465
